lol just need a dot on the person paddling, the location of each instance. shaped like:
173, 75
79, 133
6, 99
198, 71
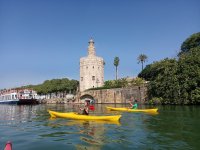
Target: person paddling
133, 106
85, 109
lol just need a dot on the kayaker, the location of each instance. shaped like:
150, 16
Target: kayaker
135, 105
85, 109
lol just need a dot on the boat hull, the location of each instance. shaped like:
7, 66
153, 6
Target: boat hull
9, 101
27, 102
20, 101
133, 110
72, 115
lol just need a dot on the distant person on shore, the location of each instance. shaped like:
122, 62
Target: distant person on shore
85, 109
134, 105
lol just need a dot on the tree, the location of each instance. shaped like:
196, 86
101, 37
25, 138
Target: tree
56, 86
141, 59
116, 64
191, 42
189, 76
148, 72
137, 82
176, 81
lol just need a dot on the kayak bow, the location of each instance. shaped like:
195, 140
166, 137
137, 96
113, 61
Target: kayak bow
8, 146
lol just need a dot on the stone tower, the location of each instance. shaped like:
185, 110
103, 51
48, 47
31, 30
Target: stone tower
91, 69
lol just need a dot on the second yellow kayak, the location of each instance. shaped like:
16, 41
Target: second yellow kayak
154, 110
72, 115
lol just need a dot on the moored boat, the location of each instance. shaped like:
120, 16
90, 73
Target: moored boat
31, 101
9, 101
9, 97
154, 110
16, 96
72, 115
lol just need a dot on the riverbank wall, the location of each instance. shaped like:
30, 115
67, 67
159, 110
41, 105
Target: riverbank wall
54, 101
116, 95
103, 96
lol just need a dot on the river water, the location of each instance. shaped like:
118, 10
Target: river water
30, 128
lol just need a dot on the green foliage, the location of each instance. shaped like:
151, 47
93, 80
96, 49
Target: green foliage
155, 101
165, 84
137, 82
195, 96
189, 75
116, 61
142, 59
114, 83
121, 83
99, 88
191, 42
146, 73
176, 81
55, 86
108, 83
116, 64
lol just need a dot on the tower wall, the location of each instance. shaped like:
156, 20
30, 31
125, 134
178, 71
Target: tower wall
91, 69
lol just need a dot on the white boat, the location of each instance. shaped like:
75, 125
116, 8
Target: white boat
22, 96
8, 97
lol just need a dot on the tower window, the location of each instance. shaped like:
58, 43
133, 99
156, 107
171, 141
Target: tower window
93, 67
93, 77
81, 78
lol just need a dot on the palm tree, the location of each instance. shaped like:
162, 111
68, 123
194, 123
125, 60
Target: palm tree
116, 64
141, 59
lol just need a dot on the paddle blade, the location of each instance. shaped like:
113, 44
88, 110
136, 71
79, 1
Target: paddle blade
91, 107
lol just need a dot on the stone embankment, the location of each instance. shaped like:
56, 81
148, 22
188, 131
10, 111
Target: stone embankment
115, 95
54, 101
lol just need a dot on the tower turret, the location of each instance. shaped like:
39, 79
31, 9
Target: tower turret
91, 48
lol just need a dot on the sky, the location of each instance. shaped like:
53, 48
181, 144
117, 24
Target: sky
45, 39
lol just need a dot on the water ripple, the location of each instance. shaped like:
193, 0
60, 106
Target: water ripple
31, 126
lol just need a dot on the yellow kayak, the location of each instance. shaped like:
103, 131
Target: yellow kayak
72, 115
154, 110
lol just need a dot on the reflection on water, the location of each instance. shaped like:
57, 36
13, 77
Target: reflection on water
76, 122
90, 132
12, 114
30, 127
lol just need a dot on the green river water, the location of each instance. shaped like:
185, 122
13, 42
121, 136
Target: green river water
30, 128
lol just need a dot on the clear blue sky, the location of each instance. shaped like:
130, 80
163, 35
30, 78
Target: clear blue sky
44, 39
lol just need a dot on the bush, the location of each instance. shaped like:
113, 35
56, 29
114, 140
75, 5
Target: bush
155, 101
